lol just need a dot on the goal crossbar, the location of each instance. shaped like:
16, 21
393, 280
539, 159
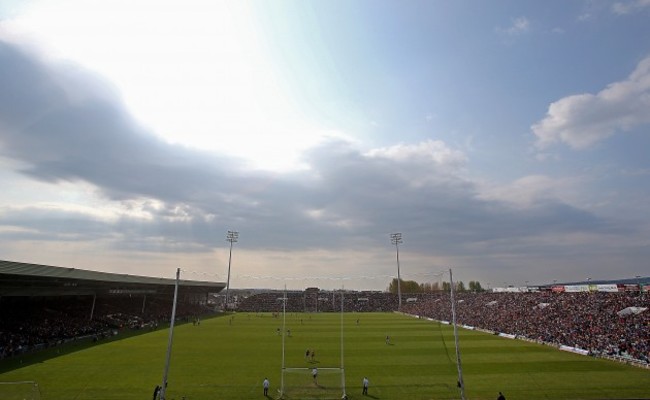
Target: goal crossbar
301, 369
327, 370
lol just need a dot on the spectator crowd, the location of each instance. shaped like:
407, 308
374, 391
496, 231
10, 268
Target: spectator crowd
586, 320
28, 324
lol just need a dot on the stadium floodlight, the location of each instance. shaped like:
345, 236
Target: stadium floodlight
231, 237
396, 239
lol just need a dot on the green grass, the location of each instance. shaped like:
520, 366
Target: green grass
217, 360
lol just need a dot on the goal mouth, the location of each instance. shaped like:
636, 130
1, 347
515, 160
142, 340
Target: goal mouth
20, 390
300, 383
321, 370
319, 383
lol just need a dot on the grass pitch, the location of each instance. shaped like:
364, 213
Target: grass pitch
227, 358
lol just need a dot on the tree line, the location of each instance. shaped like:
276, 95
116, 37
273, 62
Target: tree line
432, 287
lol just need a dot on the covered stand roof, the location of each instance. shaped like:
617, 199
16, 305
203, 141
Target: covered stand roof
22, 279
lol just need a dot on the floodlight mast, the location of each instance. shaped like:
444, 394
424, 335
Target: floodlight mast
396, 239
231, 237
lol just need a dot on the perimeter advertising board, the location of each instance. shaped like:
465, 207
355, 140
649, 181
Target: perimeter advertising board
576, 288
607, 288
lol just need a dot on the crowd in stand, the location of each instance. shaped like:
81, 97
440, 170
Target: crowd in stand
28, 324
587, 321
320, 301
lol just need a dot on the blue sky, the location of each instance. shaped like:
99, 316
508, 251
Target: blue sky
506, 140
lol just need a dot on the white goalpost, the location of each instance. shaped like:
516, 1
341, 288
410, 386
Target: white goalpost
301, 383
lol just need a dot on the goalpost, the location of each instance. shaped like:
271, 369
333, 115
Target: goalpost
299, 383
20, 390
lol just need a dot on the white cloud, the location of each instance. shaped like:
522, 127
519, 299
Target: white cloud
531, 190
628, 7
584, 119
519, 26
206, 61
584, 17
434, 151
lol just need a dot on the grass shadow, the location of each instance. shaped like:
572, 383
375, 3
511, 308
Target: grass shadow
75, 345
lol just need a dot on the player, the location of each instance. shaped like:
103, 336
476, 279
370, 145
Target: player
387, 339
156, 391
314, 374
365, 383
501, 396
266, 385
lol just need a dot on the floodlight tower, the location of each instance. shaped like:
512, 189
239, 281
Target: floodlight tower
396, 239
231, 237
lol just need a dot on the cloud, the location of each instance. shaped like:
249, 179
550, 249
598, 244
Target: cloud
528, 191
67, 129
585, 119
628, 7
584, 17
520, 25
429, 151
61, 122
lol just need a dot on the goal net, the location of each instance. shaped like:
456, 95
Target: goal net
21, 390
299, 383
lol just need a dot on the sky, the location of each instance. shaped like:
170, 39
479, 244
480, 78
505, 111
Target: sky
505, 140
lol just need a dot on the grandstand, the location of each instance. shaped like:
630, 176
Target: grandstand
315, 300
584, 322
43, 306
612, 323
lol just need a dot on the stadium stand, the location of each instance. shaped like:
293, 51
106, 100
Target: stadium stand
320, 301
43, 306
586, 320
